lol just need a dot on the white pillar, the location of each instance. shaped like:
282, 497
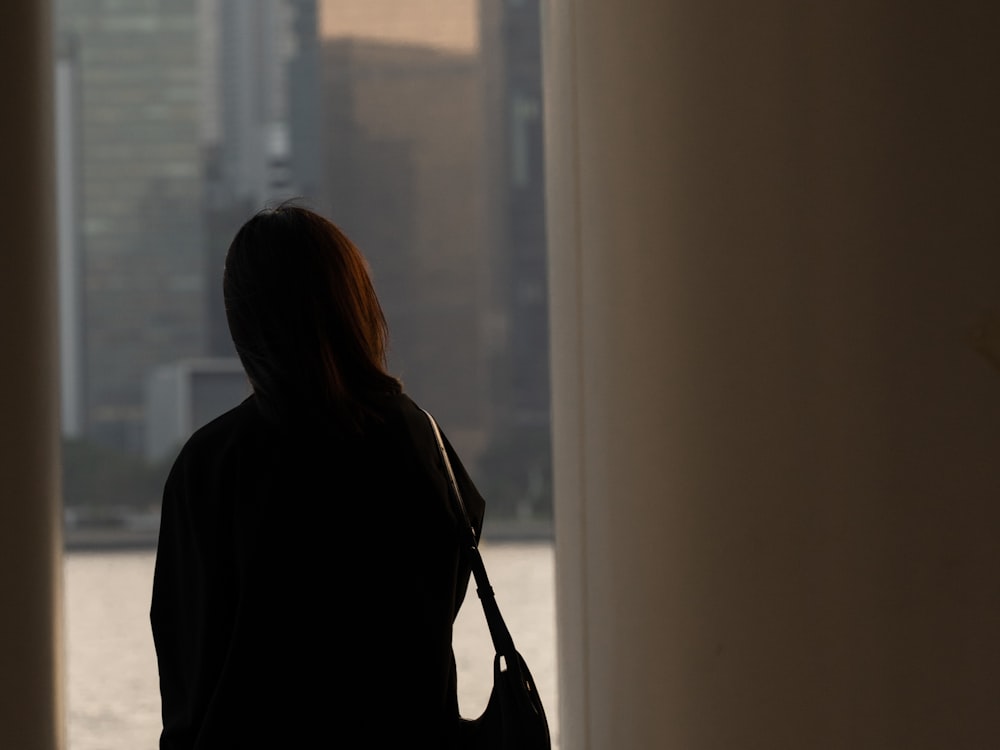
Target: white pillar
31, 703
772, 230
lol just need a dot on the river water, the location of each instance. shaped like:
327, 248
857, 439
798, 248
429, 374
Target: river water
112, 696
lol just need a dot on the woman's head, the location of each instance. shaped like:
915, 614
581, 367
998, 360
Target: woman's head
304, 316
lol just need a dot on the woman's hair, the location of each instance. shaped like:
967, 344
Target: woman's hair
304, 317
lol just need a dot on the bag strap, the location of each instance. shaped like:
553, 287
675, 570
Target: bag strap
502, 641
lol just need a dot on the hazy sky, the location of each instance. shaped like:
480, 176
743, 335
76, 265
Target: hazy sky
447, 24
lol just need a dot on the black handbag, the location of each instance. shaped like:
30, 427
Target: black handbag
514, 718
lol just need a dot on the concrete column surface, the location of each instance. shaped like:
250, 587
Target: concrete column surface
31, 704
775, 295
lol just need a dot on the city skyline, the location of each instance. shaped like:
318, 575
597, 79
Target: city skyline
420, 134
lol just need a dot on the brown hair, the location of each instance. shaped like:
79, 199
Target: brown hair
304, 317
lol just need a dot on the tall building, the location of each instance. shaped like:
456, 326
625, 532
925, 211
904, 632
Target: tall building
261, 120
139, 175
403, 131
260, 116
260, 144
304, 104
515, 193
403, 134
260, 140
433, 132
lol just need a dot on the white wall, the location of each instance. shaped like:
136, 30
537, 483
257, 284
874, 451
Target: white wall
772, 231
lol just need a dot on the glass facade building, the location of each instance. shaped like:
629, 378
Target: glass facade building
138, 174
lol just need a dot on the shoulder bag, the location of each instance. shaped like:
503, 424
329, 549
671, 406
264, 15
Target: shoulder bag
514, 718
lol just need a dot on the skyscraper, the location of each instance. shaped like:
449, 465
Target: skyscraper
433, 133
261, 120
403, 129
515, 194
139, 176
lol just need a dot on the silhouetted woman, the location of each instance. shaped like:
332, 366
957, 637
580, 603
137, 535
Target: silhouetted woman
308, 570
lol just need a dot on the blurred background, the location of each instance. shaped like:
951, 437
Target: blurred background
416, 126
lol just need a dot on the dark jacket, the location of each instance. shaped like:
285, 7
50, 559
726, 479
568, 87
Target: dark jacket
306, 583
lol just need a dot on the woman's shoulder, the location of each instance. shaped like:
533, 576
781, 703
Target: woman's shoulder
402, 415
223, 430
240, 417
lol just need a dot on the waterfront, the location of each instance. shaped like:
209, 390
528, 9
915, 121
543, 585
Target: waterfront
112, 697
